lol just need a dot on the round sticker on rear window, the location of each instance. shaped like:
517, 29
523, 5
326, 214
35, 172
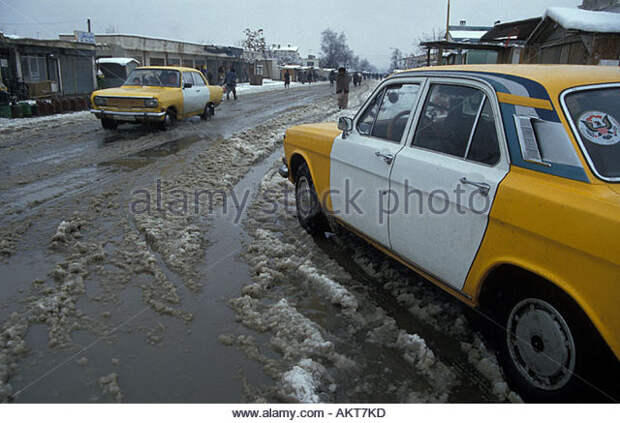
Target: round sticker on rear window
600, 128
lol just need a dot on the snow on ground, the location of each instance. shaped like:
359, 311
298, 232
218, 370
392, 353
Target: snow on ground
270, 85
431, 306
292, 274
64, 118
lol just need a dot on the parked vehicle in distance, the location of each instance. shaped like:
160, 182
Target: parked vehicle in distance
499, 184
157, 94
112, 72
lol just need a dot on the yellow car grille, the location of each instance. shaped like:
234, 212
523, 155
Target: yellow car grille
125, 102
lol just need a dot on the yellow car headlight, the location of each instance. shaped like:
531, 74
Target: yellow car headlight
151, 102
101, 101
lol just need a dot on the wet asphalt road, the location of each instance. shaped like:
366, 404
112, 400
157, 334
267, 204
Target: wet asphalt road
48, 171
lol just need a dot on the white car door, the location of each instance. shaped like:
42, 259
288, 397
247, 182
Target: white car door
191, 94
445, 179
360, 164
202, 90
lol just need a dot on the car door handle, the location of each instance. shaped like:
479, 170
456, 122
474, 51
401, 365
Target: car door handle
483, 187
388, 158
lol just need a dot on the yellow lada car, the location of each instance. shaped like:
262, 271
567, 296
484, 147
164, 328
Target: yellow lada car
501, 185
159, 94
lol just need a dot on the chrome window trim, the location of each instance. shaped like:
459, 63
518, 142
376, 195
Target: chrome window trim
576, 134
490, 95
380, 90
473, 128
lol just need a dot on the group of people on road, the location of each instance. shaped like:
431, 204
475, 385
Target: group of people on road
342, 79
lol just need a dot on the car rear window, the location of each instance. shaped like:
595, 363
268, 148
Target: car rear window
595, 114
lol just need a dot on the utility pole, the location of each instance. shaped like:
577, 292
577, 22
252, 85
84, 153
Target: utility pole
448, 21
88, 24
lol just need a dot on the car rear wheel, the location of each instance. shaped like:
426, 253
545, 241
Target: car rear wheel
549, 350
309, 211
109, 123
208, 112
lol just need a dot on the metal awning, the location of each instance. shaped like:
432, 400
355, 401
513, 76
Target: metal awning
453, 45
515, 30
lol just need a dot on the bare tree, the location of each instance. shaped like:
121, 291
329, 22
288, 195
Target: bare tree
397, 56
334, 50
254, 40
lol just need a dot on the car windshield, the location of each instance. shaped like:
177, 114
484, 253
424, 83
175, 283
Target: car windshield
154, 78
596, 115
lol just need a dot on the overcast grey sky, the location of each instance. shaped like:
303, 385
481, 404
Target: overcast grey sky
371, 27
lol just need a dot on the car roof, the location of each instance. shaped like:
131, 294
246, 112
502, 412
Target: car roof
556, 76
176, 68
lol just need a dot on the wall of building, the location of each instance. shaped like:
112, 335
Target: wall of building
555, 44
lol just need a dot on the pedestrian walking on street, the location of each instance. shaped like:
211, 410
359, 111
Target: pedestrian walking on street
231, 83
287, 79
220, 75
342, 88
332, 78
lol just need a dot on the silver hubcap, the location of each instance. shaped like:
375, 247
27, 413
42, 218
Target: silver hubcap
168, 120
304, 197
541, 344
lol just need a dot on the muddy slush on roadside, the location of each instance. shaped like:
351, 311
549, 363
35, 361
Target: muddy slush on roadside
142, 266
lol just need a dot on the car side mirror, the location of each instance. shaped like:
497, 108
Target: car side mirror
345, 124
187, 85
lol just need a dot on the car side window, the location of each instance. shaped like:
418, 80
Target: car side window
484, 147
367, 119
198, 81
394, 112
447, 119
187, 78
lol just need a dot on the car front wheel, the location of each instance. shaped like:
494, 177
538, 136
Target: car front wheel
170, 120
309, 211
109, 123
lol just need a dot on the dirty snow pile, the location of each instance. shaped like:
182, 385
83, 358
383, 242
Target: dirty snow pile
320, 363
8, 125
174, 231
269, 85
431, 306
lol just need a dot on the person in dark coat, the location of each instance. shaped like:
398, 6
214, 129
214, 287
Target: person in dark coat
287, 79
231, 83
343, 80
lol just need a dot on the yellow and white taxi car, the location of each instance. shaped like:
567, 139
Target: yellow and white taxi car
161, 94
501, 185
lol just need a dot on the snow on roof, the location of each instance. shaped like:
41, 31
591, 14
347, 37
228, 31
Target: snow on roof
13, 36
584, 20
467, 35
280, 47
123, 61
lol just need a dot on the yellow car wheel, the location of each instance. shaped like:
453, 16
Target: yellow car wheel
170, 119
309, 212
549, 349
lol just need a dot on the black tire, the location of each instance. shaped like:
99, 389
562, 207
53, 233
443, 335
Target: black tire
109, 123
170, 119
548, 348
309, 211
208, 112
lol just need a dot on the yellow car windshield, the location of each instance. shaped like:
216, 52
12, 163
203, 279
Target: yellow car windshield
154, 78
